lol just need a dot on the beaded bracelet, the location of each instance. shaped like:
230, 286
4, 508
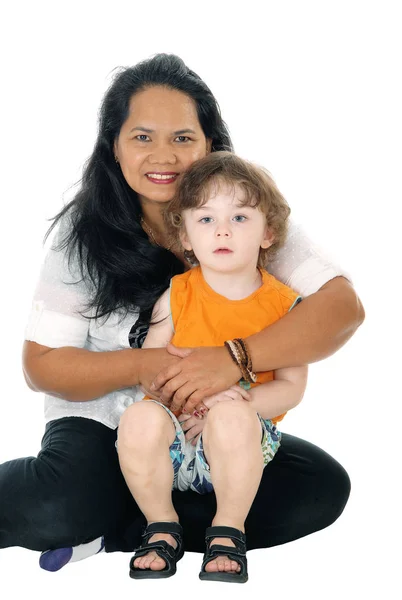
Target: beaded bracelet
240, 355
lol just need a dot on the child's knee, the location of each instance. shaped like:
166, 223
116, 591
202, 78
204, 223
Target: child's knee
233, 415
144, 422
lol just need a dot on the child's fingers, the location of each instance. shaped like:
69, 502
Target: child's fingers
191, 433
189, 423
183, 418
243, 393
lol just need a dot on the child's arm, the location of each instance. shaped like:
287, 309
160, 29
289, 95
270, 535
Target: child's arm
161, 331
275, 397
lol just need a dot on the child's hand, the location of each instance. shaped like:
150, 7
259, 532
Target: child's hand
192, 427
233, 393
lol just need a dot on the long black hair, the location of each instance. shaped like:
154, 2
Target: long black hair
123, 269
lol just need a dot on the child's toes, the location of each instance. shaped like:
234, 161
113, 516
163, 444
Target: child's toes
234, 567
224, 564
212, 566
144, 560
157, 564
229, 565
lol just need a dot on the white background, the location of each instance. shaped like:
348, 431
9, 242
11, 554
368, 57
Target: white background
309, 89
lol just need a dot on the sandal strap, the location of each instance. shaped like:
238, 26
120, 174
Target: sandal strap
237, 536
172, 527
219, 549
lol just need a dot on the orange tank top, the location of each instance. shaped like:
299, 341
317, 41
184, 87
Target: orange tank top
202, 317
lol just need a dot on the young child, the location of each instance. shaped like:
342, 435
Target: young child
228, 216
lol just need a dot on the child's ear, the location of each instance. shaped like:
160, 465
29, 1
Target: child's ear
269, 238
184, 240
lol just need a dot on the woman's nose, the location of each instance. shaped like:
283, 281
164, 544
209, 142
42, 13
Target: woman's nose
163, 154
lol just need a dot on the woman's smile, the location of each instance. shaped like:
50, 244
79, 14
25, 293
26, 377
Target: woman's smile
162, 178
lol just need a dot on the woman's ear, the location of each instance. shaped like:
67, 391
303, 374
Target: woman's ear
116, 156
269, 238
209, 146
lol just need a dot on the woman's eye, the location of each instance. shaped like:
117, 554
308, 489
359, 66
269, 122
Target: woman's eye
239, 218
142, 137
206, 220
182, 138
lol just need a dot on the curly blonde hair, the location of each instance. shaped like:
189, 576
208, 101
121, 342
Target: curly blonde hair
226, 168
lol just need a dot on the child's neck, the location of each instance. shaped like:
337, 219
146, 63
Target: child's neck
234, 285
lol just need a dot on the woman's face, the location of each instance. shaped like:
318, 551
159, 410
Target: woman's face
159, 140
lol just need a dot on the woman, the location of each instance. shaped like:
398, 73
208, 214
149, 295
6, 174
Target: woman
108, 265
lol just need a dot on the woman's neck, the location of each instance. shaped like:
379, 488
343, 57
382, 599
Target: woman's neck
152, 216
234, 285
153, 223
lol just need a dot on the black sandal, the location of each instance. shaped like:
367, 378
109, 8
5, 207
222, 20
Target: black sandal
169, 554
237, 554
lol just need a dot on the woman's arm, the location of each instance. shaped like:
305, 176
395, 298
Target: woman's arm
55, 358
77, 374
313, 330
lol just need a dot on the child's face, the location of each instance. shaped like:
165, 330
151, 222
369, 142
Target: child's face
224, 235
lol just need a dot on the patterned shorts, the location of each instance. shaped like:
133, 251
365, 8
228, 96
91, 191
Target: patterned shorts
191, 470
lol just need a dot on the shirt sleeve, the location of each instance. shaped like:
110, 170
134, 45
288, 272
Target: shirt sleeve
302, 265
59, 299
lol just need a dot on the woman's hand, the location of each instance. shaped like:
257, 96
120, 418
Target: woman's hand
152, 360
200, 373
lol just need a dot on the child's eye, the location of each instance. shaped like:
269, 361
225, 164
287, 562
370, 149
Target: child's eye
182, 138
206, 220
239, 218
142, 137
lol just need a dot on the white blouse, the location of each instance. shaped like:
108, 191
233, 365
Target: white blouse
55, 319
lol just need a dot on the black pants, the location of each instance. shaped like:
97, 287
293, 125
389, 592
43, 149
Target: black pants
74, 492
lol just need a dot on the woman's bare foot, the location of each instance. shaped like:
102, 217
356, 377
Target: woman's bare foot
152, 560
222, 563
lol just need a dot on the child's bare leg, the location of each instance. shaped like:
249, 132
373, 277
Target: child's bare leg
145, 433
232, 445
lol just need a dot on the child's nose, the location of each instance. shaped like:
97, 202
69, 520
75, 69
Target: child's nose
223, 230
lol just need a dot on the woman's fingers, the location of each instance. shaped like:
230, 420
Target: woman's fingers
164, 376
194, 399
206, 364
182, 398
170, 373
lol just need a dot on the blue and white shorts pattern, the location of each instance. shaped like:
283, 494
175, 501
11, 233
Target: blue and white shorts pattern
191, 470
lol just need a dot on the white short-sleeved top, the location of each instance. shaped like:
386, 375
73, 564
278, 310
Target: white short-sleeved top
55, 320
